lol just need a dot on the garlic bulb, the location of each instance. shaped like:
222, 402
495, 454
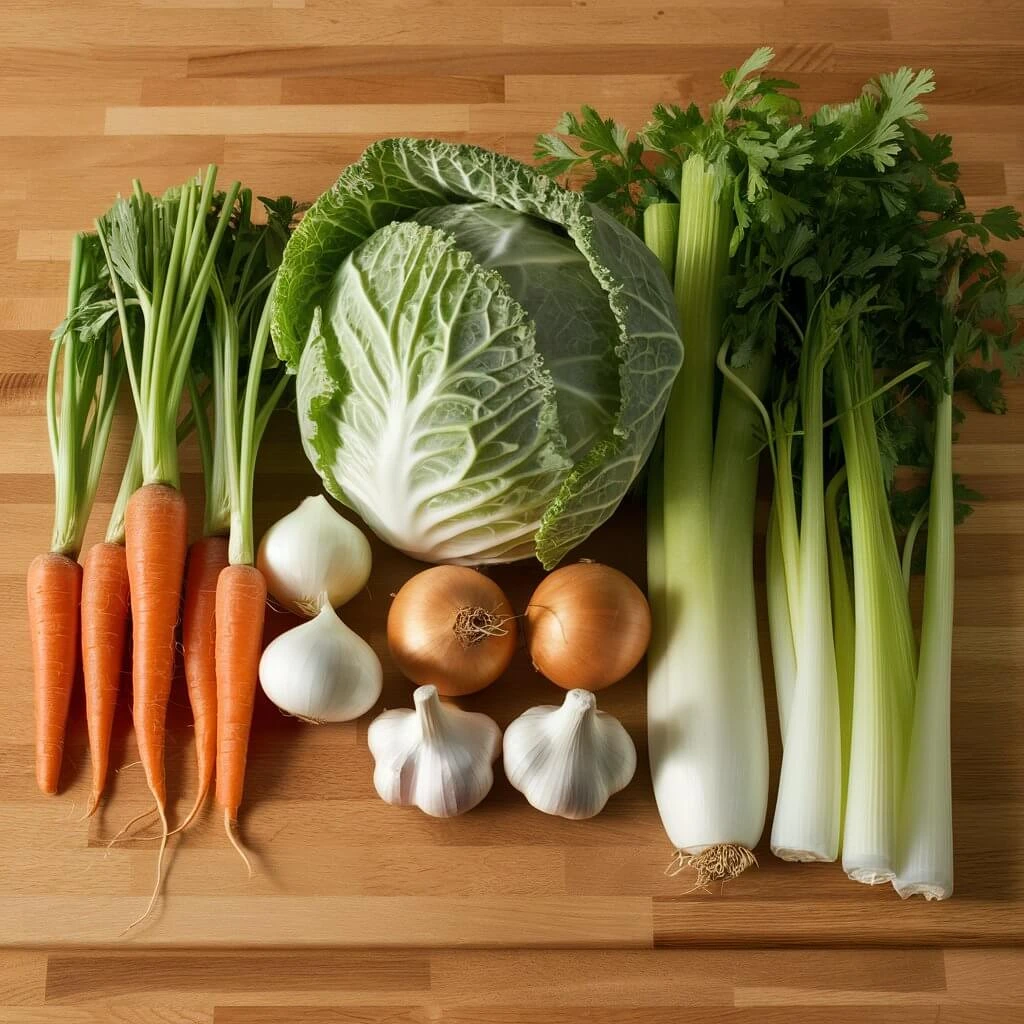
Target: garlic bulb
569, 760
321, 671
311, 552
435, 757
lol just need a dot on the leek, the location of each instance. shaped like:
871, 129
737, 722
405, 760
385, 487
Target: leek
706, 719
708, 741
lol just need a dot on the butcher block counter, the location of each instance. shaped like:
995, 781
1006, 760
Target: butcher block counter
361, 911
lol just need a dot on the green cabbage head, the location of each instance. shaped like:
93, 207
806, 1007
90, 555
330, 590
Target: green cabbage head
483, 357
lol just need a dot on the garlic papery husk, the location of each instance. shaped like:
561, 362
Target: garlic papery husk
311, 552
436, 756
569, 760
321, 671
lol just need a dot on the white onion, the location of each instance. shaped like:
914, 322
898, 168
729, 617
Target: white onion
313, 553
321, 671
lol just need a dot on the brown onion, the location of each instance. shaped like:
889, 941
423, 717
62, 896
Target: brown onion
587, 626
451, 627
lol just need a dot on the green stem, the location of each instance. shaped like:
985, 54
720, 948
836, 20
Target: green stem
131, 480
843, 624
661, 229
910, 542
130, 355
65, 528
701, 264
113, 371
241, 546
873, 397
219, 475
269, 405
194, 310
197, 232
202, 425
52, 426
926, 836
785, 499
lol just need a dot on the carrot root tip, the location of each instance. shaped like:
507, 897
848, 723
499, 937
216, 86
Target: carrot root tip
229, 828
158, 883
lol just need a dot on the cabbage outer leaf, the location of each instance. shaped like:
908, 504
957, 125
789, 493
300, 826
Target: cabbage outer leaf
392, 181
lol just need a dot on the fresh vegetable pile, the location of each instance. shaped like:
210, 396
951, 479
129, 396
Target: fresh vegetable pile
485, 361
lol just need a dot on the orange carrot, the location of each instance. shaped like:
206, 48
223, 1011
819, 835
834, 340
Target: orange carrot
88, 363
241, 601
161, 253
104, 626
54, 588
206, 558
155, 545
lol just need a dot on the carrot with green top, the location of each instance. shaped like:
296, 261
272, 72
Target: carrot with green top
244, 273
241, 332
89, 364
161, 253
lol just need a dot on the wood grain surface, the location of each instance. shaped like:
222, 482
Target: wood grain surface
284, 93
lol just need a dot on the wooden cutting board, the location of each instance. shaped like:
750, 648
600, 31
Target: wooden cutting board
284, 98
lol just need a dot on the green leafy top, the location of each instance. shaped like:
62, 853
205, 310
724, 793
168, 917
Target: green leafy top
243, 378
160, 253
751, 137
848, 220
86, 367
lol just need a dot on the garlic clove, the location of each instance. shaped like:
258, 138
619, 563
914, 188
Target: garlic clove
435, 756
311, 552
321, 671
569, 760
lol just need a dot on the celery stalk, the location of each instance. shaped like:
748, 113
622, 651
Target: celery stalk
925, 865
780, 622
807, 812
843, 626
661, 227
884, 645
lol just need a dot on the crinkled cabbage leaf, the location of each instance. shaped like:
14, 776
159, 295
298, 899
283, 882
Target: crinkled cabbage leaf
483, 357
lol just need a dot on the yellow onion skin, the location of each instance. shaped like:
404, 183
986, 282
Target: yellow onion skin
587, 626
453, 628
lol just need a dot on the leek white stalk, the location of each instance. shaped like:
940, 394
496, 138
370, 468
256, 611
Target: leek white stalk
706, 727
884, 653
925, 865
807, 811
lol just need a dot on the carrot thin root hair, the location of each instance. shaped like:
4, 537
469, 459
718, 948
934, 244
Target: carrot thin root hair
229, 828
158, 883
124, 828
